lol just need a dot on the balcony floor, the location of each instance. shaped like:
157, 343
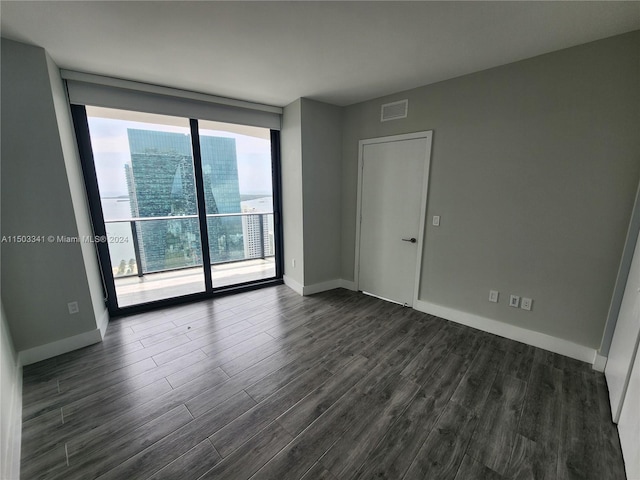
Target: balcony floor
158, 286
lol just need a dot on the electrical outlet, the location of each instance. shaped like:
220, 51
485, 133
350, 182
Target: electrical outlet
526, 303
493, 296
73, 307
514, 301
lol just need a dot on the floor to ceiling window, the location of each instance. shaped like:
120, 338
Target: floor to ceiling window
181, 207
236, 170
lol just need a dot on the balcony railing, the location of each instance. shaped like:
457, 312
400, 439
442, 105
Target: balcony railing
142, 245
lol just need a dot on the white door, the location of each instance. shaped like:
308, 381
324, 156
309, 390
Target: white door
625, 338
629, 423
393, 182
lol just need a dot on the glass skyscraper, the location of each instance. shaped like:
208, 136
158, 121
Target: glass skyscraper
161, 183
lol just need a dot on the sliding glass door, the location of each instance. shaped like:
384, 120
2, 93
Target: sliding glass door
184, 207
236, 169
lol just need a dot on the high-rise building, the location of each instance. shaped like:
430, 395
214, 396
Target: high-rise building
161, 183
222, 196
258, 228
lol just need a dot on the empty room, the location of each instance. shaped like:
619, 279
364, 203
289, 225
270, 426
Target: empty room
320, 240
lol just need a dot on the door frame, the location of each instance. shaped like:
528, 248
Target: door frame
428, 135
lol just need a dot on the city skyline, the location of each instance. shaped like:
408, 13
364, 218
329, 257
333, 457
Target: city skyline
111, 150
145, 164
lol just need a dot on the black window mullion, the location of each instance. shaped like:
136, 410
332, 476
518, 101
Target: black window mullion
202, 207
81, 127
276, 182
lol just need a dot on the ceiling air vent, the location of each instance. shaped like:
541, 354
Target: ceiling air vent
394, 110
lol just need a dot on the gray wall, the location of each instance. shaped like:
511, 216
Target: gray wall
39, 279
291, 158
311, 166
534, 170
321, 169
77, 190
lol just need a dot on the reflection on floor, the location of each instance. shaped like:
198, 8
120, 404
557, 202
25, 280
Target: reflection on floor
157, 286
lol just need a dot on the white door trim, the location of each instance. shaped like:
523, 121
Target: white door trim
428, 135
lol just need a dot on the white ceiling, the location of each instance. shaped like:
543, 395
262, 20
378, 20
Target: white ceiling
276, 52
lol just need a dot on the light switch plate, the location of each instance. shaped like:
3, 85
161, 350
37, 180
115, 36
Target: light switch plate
514, 301
436, 221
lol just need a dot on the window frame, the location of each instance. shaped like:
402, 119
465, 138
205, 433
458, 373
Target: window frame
81, 127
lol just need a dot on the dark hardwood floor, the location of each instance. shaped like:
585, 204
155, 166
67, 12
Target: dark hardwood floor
268, 384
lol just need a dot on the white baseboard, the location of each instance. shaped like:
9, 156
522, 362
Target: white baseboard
348, 284
536, 339
322, 286
103, 323
10, 464
599, 362
293, 285
317, 287
49, 350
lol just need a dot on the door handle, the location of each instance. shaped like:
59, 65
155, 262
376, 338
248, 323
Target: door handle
412, 240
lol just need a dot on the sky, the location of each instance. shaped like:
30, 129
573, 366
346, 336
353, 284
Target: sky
111, 152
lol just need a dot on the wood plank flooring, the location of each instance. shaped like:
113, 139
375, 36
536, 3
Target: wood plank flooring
336, 386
